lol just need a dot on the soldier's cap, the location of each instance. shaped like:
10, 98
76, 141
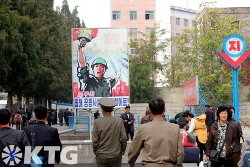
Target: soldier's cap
85, 35
107, 103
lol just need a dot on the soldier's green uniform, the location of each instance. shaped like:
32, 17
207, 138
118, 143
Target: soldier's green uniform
101, 87
108, 137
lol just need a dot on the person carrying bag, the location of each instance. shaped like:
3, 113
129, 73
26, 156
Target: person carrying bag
222, 141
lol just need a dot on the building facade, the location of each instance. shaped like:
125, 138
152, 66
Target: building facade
135, 15
180, 19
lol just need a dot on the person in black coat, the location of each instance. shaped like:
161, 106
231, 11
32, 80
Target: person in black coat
179, 117
210, 116
128, 120
66, 115
10, 137
97, 114
44, 135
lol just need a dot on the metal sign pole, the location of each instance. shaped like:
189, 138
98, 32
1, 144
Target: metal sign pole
235, 93
90, 124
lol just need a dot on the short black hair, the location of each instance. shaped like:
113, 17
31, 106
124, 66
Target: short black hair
173, 121
157, 106
41, 112
207, 105
127, 107
221, 109
4, 116
188, 113
182, 124
230, 112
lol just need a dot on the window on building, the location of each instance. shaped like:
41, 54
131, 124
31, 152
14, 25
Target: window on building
133, 15
177, 34
149, 31
186, 22
116, 15
177, 21
133, 32
132, 51
193, 24
149, 15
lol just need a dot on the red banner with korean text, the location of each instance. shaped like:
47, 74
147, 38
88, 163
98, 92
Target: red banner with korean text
191, 91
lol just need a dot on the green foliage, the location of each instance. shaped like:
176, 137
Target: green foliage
144, 65
35, 49
196, 54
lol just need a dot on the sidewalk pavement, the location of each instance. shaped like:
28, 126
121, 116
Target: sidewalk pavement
246, 132
61, 128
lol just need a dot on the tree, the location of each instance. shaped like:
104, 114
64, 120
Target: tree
35, 50
196, 54
144, 65
14, 60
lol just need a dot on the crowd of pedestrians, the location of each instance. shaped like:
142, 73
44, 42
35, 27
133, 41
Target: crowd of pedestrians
22, 118
38, 133
162, 143
159, 142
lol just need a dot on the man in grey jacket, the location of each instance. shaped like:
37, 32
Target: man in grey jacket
109, 137
158, 141
12, 142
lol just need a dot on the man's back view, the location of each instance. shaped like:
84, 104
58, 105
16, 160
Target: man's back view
10, 141
109, 137
159, 141
44, 135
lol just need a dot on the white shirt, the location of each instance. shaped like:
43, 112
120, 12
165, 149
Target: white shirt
191, 125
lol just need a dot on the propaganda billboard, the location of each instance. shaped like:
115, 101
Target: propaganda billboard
191, 91
100, 66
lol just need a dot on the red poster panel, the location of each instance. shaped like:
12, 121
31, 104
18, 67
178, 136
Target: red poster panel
191, 91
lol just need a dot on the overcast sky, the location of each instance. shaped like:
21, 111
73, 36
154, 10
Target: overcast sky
94, 12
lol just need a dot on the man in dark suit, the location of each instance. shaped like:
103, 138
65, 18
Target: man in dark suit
44, 135
10, 141
210, 116
97, 114
128, 120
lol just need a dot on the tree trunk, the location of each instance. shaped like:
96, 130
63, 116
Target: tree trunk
49, 104
27, 102
10, 101
19, 102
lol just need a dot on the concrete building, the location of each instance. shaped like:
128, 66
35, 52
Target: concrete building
180, 19
140, 16
136, 15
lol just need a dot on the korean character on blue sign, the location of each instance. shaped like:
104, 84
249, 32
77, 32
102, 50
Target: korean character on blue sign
90, 102
125, 101
80, 103
95, 102
76, 103
86, 102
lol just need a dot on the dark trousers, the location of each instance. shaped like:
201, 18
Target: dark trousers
67, 121
202, 148
61, 122
129, 132
223, 163
109, 162
18, 126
